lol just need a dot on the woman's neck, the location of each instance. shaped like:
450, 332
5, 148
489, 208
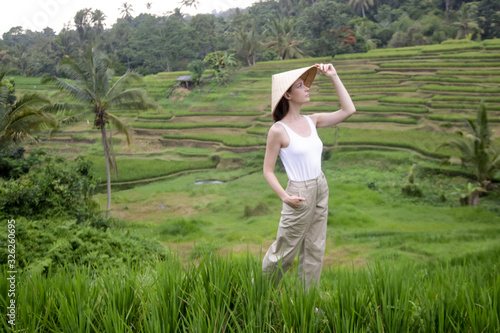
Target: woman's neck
293, 113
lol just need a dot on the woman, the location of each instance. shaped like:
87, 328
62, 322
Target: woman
294, 138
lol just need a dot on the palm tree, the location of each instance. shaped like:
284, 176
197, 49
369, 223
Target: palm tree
126, 10
189, 3
20, 118
248, 44
467, 15
82, 23
98, 18
283, 39
478, 151
357, 4
92, 87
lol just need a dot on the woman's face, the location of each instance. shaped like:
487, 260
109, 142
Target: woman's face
299, 92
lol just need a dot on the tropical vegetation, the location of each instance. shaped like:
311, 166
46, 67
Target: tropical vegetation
478, 152
20, 118
92, 86
149, 42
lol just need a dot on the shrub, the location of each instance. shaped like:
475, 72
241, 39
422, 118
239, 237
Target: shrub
181, 228
196, 67
411, 189
260, 209
51, 188
51, 244
13, 164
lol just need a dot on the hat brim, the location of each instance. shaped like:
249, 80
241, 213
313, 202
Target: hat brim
281, 82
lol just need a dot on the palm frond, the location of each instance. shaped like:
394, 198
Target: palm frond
3, 103
75, 90
133, 98
121, 126
125, 78
465, 149
33, 120
30, 101
73, 70
62, 108
69, 120
496, 159
4, 72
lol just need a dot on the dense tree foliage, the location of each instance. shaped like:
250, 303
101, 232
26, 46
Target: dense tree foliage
58, 222
266, 30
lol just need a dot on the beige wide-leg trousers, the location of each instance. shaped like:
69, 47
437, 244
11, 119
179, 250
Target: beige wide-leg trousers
301, 230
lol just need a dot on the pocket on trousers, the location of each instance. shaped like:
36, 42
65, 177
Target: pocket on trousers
287, 209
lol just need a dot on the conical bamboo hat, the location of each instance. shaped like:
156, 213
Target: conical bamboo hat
281, 82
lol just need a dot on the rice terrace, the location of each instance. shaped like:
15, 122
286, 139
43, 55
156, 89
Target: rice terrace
404, 252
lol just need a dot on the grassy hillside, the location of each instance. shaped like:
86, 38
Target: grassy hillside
408, 100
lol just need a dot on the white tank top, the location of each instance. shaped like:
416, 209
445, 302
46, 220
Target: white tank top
302, 157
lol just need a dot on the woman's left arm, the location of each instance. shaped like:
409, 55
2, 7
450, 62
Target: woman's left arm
346, 104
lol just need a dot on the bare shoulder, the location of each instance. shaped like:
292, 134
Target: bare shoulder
276, 129
276, 133
314, 117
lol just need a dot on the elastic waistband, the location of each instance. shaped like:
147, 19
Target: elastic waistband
308, 182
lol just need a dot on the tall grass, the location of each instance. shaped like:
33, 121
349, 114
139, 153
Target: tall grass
229, 294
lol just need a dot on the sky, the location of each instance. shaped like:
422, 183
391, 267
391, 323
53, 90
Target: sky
36, 15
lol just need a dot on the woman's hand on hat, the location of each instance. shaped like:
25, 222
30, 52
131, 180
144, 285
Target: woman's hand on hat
327, 69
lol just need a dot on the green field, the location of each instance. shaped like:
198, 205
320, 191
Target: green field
394, 262
223, 128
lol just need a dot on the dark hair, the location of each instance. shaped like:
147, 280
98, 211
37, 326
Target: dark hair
282, 107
